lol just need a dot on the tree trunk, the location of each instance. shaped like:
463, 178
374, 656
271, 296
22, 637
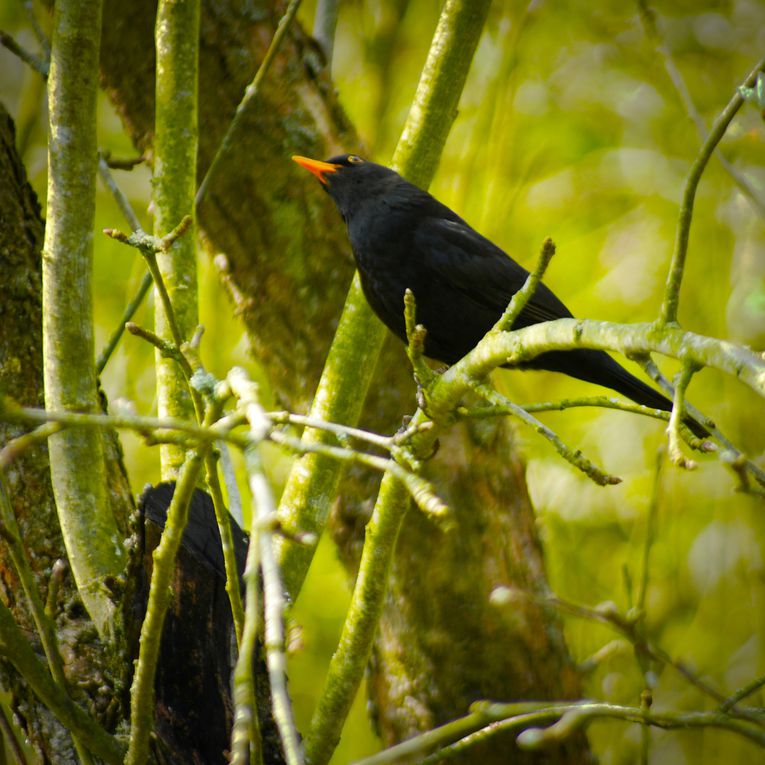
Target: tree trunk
94, 670
286, 263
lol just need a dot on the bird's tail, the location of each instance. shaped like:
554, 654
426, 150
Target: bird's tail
599, 368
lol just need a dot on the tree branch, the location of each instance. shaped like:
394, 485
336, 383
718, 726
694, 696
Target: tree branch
668, 314
90, 531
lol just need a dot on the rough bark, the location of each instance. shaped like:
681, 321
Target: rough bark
283, 257
88, 664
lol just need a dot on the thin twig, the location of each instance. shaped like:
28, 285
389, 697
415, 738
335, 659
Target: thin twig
38, 64
264, 509
246, 742
668, 313
123, 163
233, 587
42, 38
731, 453
486, 719
43, 623
576, 458
127, 316
385, 442
421, 491
648, 17
9, 738
608, 614
149, 246
742, 693
18, 445
15, 648
415, 343
229, 480
603, 402
119, 197
521, 298
160, 595
250, 94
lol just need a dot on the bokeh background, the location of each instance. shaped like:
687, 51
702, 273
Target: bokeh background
569, 127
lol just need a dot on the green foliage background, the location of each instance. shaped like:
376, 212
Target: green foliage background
569, 127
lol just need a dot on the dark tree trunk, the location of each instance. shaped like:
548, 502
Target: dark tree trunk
194, 706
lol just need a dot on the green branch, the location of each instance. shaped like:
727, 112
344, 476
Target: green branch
175, 149
416, 156
487, 719
250, 94
521, 298
160, 597
629, 339
90, 533
313, 481
671, 300
574, 456
264, 517
677, 417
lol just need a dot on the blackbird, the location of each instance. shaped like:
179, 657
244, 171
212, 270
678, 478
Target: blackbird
402, 237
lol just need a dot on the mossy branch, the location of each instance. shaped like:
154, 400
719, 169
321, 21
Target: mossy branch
567, 717
92, 540
174, 182
15, 648
574, 456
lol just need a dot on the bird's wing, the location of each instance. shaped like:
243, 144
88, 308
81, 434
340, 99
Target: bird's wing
477, 268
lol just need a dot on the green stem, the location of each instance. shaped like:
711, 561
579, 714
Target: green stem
671, 300
175, 146
677, 416
629, 339
246, 742
488, 719
521, 298
352, 654
227, 544
264, 516
574, 456
416, 156
313, 481
92, 540
160, 597
250, 94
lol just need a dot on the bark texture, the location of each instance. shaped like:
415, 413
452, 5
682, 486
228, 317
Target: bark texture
91, 669
283, 255
194, 707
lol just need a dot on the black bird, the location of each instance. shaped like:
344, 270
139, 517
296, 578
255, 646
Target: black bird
402, 237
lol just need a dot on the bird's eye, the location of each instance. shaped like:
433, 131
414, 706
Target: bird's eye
354, 160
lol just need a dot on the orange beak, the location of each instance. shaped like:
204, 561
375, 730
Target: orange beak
317, 167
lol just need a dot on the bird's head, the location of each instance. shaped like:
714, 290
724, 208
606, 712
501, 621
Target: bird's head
349, 179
